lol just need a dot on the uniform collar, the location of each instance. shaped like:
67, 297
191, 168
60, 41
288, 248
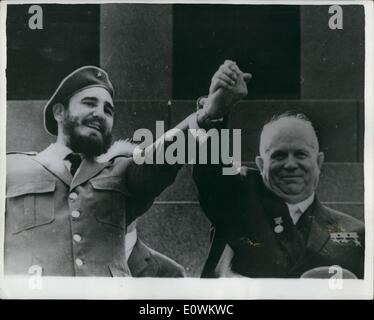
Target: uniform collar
61, 150
53, 157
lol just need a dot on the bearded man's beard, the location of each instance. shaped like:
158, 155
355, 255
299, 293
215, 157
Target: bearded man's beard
91, 145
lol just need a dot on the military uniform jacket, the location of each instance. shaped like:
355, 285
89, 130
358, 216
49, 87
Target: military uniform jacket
69, 226
244, 214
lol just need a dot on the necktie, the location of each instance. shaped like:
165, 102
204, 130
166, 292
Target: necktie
295, 214
75, 160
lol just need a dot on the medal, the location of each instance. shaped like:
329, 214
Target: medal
278, 225
278, 228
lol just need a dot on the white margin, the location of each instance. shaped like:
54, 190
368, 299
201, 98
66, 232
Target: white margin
3, 61
192, 288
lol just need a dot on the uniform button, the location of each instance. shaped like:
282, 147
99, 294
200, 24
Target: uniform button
75, 214
77, 238
73, 196
79, 262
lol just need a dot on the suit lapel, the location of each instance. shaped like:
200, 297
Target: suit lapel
320, 228
141, 261
87, 170
277, 211
50, 160
319, 235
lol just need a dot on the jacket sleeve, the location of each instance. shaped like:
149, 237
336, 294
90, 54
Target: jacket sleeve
219, 193
146, 177
146, 181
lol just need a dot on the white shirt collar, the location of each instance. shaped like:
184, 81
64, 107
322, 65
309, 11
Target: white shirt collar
297, 209
130, 241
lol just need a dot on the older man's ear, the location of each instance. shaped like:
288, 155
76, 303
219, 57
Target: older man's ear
259, 163
320, 159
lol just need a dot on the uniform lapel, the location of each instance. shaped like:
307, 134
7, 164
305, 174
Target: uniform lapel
50, 160
87, 170
141, 262
91, 167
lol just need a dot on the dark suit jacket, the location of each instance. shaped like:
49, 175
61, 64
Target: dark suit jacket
242, 211
146, 262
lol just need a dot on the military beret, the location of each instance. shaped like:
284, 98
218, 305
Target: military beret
82, 78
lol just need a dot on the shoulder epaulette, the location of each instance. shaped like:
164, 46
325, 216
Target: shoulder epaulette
30, 153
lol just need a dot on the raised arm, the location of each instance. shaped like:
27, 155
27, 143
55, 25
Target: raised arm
215, 188
145, 177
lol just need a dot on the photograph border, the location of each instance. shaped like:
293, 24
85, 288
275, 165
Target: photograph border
191, 288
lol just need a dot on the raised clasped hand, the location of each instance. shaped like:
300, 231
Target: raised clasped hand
228, 86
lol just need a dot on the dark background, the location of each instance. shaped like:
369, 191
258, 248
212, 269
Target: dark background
39, 59
247, 35
160, 53
71, 38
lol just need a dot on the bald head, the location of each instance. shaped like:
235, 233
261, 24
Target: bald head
288, 127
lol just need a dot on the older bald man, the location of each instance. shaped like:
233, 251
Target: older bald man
269, 223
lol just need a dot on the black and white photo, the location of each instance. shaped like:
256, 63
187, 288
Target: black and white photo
186, 142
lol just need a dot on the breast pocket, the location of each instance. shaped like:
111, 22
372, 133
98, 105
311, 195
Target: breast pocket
110, 198
30, 205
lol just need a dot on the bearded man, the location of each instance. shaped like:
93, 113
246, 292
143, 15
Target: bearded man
68, 207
